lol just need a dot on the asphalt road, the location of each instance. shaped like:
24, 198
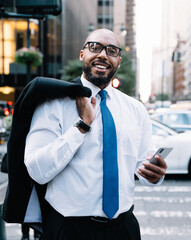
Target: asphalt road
164, 212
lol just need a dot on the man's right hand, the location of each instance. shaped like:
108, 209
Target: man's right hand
86, 109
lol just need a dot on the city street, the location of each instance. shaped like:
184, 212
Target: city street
164, 212
68, 66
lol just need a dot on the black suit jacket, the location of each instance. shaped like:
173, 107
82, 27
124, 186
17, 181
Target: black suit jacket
19, 182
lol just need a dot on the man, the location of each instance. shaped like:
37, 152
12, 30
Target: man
63, 152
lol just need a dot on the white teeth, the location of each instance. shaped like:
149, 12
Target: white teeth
100, 66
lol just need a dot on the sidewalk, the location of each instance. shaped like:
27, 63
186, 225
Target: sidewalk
13, 232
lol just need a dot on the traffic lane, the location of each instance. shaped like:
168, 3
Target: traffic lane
3, 186
3, 176
164, 212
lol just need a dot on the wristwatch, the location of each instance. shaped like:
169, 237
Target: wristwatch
83, 126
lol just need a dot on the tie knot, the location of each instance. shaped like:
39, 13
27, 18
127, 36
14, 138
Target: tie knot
102, 94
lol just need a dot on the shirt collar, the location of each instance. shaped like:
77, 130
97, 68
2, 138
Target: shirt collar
96, 89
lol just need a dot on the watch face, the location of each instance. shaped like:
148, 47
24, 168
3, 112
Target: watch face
83, 126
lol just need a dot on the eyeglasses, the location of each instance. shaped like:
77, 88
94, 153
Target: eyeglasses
96, 47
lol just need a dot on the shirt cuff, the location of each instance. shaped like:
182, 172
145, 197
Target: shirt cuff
145, 182
74, 134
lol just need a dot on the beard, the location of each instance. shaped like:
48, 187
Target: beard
100, 79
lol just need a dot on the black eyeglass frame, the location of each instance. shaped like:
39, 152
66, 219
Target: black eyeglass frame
103, 47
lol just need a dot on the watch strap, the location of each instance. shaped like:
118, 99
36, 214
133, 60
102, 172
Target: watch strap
83, 126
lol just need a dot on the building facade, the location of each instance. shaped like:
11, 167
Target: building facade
130, 28
59, 38
76, 18
187, 50
173, 77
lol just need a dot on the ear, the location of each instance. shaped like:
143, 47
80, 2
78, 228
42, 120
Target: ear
81, 57
120, 59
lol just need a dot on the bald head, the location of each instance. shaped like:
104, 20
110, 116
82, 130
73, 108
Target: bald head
103, 35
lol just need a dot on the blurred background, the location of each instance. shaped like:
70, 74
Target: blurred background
44, 38
155, 36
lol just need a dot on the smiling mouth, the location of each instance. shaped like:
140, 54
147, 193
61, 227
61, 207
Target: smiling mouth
101, 66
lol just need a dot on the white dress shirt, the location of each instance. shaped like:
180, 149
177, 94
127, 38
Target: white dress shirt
71, 163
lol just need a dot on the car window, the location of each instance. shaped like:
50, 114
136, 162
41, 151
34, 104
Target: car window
155, 129
189, 119
175, 118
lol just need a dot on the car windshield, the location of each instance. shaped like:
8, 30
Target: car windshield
175, 118
166, 125
189, 119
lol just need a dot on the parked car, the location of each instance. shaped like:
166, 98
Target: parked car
179, 160
177, 119
186, 105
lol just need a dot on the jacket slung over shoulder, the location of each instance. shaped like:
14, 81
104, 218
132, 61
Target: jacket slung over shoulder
19, 187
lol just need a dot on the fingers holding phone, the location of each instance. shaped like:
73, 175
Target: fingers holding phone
158, 158
155, 166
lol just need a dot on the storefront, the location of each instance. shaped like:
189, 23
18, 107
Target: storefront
44, 36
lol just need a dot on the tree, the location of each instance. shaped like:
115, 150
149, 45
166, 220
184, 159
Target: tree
162, 97
72, 70
125, 73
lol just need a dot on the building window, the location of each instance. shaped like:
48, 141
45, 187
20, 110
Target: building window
107, 19
100, 19
100, 2
13, 35
7, 42
105, 3
109, 2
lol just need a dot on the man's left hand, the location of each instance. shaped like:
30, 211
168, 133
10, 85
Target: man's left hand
152, 172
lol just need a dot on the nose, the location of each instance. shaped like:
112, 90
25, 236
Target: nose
103, 53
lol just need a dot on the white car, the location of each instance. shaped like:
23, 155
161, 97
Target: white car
177, 119
179, 160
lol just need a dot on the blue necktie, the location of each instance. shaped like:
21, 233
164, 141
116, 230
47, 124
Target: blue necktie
110, 166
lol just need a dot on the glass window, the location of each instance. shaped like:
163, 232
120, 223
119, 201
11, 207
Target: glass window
155, 129
176, 118
13, 35
189, 118
105, 3
107, 20
173, 118
100, 3
100, 19
53, 56
109, 3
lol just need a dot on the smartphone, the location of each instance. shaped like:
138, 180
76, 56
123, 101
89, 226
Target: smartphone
163, 152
